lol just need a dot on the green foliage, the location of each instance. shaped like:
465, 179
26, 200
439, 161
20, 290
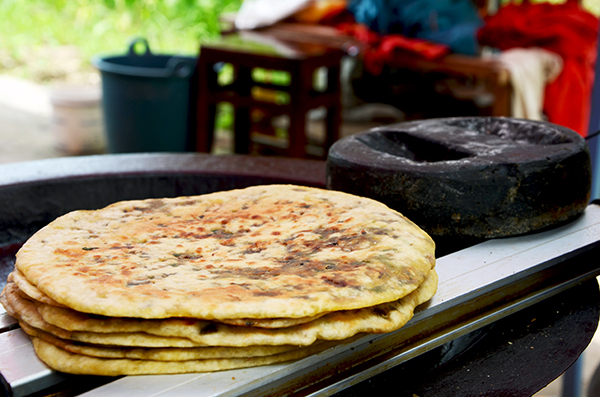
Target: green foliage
31, 28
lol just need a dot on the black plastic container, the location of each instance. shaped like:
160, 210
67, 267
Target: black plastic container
148, 100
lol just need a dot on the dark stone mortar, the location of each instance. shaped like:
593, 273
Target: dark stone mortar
468, 177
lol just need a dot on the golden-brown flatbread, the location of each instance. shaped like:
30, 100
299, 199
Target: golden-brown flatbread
265, 252
30, 290
156, 354
61, 360
34, 294
225, 280
194, 333
269, 322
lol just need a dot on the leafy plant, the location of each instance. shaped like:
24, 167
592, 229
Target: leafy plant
36, 34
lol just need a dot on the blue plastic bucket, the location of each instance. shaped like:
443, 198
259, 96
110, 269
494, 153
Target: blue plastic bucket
148, 101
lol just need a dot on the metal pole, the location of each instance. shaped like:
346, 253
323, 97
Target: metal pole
573, 379
594, 143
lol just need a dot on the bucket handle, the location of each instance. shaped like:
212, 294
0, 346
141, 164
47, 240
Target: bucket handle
134, 42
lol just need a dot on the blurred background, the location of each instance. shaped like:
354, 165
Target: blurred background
47, 46
53, 42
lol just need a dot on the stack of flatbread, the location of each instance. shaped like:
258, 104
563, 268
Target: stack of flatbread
225, 280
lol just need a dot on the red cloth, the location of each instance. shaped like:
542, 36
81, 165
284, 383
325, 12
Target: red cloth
565, 29
380, 50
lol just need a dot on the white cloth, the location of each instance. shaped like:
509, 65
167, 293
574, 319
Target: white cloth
530, 70
259, 13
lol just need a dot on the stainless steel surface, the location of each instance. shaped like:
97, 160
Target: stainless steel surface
15, 347
480, 284
6, 322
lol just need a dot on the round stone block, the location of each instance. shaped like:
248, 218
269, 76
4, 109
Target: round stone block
478, 177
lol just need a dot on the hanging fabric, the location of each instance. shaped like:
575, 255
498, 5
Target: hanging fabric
565, 29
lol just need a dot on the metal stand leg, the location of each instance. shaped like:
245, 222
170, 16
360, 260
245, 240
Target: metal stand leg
572, 379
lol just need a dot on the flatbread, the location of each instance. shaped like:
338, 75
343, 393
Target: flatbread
189, 333
269, 322
26, 312
61, 360
226, 280
265, 252
30, 290
61, 313
76, 321
156, 354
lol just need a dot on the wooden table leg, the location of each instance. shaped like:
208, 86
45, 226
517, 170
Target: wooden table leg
242, 123
334, 113
206, 110
300, 101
